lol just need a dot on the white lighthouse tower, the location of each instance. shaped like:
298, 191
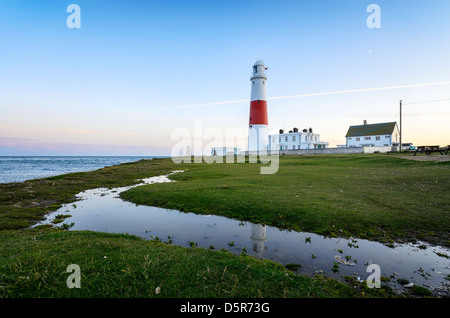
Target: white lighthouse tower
258, 120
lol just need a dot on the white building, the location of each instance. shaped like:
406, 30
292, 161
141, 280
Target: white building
294, 140
373, 135
224, 151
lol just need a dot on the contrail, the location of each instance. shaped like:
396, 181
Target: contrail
211, 104
362, 90
359, 90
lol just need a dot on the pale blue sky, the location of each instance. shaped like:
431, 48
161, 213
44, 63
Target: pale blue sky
115, 84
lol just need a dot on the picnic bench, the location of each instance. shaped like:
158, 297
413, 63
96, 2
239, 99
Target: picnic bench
428, 150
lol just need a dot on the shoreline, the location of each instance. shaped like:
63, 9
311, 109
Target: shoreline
49, 169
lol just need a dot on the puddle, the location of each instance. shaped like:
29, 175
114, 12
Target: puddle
102, 210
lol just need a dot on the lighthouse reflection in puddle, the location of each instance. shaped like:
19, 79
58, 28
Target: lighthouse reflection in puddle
258, 237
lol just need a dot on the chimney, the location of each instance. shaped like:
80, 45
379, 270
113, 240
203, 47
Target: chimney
295, 129
310, 129
281, 131
365, 122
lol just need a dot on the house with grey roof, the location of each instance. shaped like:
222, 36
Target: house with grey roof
373, 135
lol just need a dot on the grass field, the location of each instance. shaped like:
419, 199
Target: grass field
369, 196
378, 197
34, 264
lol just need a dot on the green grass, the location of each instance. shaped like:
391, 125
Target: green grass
34, 263
370, 196
378, 197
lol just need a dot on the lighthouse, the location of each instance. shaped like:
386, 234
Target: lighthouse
258, 119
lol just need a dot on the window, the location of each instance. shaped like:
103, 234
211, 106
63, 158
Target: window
279, 139
387, 136
377, 138
367, 138
306, 138
255, 69
358, 139
286, 138
293, 138
293, 147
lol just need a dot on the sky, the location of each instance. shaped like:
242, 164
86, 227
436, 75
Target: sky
136, 71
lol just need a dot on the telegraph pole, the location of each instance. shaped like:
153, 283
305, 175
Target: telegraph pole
400, 126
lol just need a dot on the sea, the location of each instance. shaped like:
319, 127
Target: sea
22, 168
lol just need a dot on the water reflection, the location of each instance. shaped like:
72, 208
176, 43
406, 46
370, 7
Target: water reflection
258, 237
103, 210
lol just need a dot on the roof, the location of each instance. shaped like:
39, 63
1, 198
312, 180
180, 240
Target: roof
372, 129
259, 62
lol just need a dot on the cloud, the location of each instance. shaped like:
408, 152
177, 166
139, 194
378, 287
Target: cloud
14, 139
97, 132
208, 104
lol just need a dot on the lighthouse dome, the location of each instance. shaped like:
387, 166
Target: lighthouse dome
259, 62
259, 70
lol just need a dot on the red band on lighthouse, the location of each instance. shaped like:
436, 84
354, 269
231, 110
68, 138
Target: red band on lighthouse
258, 113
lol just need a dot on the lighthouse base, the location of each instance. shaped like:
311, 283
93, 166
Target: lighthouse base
258, 138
